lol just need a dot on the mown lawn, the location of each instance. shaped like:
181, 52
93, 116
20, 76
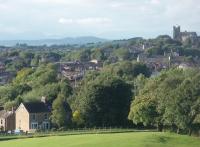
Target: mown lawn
135, 139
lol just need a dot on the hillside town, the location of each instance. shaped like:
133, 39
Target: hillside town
99, 73
18, 68
74, 70
39, 84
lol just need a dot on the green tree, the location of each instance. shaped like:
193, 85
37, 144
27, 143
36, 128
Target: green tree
144, 105
122, 53
186, 103
104, 101
61, 114
98, 54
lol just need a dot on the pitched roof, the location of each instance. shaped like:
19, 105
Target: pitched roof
36, 107
5, 114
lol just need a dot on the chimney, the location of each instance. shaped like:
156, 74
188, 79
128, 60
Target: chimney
13, 110
43, 99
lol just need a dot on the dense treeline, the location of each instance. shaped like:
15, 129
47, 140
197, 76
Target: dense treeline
169, 101
31, 84
103, 98
103, 102
15, 60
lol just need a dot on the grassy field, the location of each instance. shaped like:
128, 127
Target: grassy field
134, 139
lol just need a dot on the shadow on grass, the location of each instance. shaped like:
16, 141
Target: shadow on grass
162, 139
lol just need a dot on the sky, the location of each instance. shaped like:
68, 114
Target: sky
111, 19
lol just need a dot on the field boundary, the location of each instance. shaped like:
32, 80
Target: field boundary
81, 131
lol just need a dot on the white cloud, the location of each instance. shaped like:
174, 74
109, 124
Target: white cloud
155, 2
124, 4
66, 21
90, 21
117, 4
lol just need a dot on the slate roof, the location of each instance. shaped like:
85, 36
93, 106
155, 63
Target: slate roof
36, 107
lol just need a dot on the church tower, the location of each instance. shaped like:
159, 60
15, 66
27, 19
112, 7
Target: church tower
176, 32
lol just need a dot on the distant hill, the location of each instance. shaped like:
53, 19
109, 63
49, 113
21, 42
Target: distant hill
62, 41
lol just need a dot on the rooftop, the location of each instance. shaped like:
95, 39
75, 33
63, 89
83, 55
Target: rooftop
36, 107
5, 114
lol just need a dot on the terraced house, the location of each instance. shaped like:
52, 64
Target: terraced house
7, 121
32, 116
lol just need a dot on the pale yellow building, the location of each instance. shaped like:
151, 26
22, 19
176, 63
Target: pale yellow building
32, 116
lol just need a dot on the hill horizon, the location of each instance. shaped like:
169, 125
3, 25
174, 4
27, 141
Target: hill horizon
55, 41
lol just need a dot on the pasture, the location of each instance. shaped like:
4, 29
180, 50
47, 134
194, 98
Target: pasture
128, 139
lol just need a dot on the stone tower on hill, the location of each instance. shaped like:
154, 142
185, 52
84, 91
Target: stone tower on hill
186, 37
176, 32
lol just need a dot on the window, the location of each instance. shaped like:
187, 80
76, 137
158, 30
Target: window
1, 122
46, 125
34, 125
45, 116
33, 116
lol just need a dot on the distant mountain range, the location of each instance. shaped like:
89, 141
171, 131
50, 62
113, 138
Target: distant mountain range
62, 41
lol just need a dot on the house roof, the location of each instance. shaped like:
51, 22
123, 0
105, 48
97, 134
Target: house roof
5, 114
36, 107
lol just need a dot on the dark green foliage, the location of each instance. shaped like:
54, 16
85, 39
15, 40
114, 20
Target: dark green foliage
32, 84
98, 54
65, 88
171, 99
104, 101
83, 55
128, 70
61, 114
122, 53
51, 57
